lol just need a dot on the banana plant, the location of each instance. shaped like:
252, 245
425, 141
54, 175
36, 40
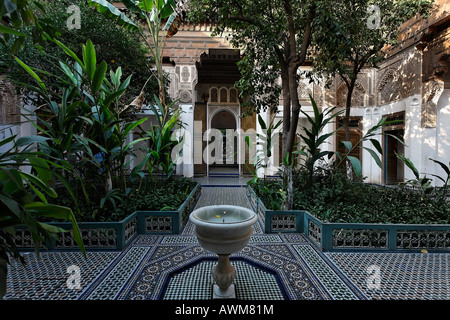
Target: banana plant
161, 20
23, 201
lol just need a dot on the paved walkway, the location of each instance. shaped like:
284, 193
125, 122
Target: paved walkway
272, 266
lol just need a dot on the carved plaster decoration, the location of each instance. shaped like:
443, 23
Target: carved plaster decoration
185, 96
389, 86
358, 95
9, 109
185, 74
304, 90
432, 92
213, 110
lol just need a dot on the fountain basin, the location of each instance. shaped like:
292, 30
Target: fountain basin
223, 229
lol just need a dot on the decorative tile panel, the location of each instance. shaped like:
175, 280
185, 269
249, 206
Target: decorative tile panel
360, 238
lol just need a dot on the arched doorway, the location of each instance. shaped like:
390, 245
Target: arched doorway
224, 142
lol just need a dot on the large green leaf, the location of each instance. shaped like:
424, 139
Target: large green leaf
32, 73
25, 141
112, 12
409, 164
443, 166
42, 168
8, 30
375, 157
30, 178
347, 145
356, 164
99, 76
131, 5
146, 5
89, 59
57, 212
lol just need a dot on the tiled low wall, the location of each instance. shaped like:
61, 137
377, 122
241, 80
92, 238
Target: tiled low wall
354, 236
116, 235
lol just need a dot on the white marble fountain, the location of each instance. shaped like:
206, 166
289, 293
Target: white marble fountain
224, 230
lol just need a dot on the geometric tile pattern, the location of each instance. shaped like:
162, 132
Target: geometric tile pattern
336, 285
46, 278
153, 278
399, 276
108, 287
196, 283
273, 266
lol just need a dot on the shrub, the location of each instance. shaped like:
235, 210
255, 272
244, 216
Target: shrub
143, 195
334, 198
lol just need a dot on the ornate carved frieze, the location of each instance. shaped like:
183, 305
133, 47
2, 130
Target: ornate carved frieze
183, 82
185, 96
358, 96
306, 89
389, 86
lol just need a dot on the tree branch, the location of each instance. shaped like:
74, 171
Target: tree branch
306, 36
256, 23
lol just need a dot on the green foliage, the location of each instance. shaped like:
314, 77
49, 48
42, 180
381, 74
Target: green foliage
161, 152
16, 14
143, 194
335, 198
24, 193
84, 122
114, 44
113, 13
260, 158
368, 137
423, 183
345, 40
272, 192
155, 13
314, 137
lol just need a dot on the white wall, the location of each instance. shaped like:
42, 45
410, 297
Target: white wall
443, 134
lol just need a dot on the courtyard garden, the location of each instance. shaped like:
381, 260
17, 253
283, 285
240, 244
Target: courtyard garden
100, 166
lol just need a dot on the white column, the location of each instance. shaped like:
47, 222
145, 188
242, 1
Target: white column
413, 134
443, 134
187, 117
376, 173
260, 152
329, 144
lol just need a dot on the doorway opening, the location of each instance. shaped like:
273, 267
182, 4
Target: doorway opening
226, 151
393, 134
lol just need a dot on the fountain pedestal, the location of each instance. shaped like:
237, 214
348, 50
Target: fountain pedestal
223, 230
224, 274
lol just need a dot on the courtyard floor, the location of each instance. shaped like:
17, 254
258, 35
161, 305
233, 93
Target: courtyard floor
271, 267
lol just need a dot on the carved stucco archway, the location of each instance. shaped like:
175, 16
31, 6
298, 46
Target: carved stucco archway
214, 108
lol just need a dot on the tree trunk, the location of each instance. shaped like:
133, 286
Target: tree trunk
291, 113
286, 169
346, 123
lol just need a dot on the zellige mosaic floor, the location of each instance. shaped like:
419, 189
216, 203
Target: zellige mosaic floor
270, 267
